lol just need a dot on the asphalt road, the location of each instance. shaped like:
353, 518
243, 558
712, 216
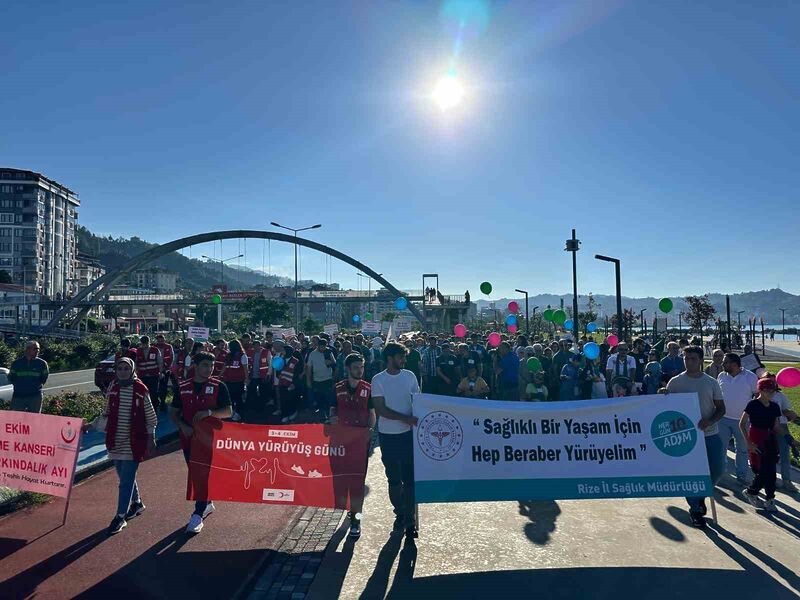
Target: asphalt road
70, 381
152, 558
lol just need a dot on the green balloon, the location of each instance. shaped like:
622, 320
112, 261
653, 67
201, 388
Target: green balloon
665, 305
548, 315
486, 288
559, 317
216, 299
369, 316
534, 365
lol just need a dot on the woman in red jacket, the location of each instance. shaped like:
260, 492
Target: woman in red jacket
235, 375
129, 422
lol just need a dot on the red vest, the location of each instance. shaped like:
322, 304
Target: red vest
219, 362
131, 353
139, 433
166, 353
192, 403
234, 369
251, 352
264, 362
179, 367
286, 375
147, 362
353, 409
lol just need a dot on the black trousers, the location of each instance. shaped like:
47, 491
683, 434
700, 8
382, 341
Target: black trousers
236, 391
397, 456
199, 505
152, 387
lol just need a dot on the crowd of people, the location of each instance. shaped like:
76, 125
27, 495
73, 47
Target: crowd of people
354, 380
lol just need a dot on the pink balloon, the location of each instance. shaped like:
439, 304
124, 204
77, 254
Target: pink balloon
460, 330
788, 377
513, 307
612, 340
494, 339
512, 329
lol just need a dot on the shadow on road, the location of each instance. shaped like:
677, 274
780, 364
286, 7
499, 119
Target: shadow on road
379, 580
25, 583
543, 515
667, 529
598, 583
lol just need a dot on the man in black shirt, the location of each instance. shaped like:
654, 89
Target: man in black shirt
467, 359
448, 371
640, 356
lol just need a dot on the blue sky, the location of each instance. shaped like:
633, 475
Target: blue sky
665, 132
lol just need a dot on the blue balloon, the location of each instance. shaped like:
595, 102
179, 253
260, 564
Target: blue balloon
569, 324
511, 320
278, 362
591, 350
401, 303
591, 327
356, 318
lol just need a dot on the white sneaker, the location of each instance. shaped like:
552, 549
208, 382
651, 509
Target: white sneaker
195, 524
236, 417
754, 499
209, 509
769, 506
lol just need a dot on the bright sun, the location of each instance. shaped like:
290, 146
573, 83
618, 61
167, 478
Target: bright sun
448, 92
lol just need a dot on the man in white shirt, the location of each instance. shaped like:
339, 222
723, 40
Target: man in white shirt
319, 377
621, 368
738, 387
391, 395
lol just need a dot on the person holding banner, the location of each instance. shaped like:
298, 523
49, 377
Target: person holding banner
353, 408
129, 421
392, 390
200, 397
712, 409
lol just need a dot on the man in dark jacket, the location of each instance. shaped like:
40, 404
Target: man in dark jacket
28, 374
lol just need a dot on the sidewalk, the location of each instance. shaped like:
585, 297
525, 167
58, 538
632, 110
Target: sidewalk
152, 557
566, 549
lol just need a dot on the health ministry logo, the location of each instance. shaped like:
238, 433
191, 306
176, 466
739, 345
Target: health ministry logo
439, 435
673, 433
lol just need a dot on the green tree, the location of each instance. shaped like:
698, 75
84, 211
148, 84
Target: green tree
113, 312
700, 312
311, 326
590, 314
628, 322
5, 277
264, 310
389, 316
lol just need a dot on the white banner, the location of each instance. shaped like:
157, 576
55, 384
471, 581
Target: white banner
402, 325
282, 333
199, 334
331, 329
371, 327
479, 450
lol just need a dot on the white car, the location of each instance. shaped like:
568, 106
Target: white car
6, 389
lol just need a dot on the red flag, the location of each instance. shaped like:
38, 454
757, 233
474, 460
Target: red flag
309, 465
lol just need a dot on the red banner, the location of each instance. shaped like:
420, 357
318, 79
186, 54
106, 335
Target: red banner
308, 465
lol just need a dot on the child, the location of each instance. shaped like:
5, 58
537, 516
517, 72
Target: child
762, 415
473, 386
536, 391
652, 374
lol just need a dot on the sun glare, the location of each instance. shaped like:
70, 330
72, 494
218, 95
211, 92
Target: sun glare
448, 92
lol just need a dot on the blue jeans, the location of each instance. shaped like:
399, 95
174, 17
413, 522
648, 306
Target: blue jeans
729, 428
128, 489
783, 448
716, 469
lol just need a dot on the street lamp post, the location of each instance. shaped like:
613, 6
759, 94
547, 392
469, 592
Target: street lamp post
527, 317
644, 323
221, 282
534, 315
573, 245
783, 323
619, 291
295, 231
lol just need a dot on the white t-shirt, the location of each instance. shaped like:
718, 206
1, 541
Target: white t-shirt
396, 390
319, 370
737, 392
781, 400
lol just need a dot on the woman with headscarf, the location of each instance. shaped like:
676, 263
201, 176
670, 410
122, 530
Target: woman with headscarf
129, 422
